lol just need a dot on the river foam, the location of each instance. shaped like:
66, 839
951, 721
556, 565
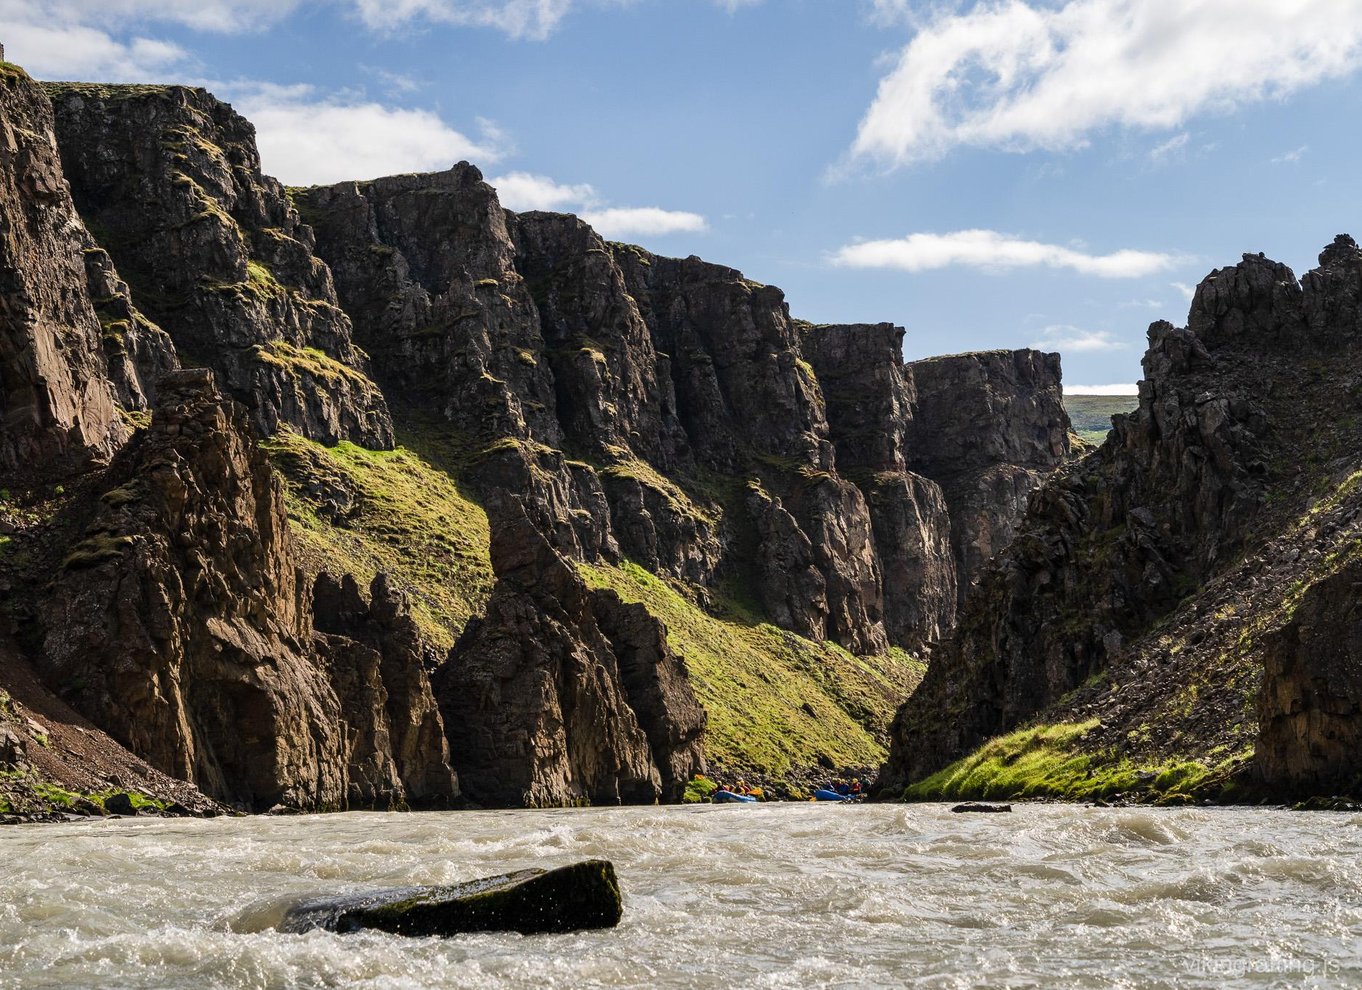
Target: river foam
768, 896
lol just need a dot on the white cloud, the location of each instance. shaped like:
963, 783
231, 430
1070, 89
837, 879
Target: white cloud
223, 16
1291, 157
1188, 291
523, 191
633, 221
1062, 337
1124, 388
1025, 75
76, 52
534, 19
1174, 147
306, 139
989, 249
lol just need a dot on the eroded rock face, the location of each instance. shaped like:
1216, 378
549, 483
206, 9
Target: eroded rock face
615, 394
739, 378
1115, 541
534, 695
1310, 706
378, 646
58, 406
989, 428
169, 179
426, 267
177, 623
870, 397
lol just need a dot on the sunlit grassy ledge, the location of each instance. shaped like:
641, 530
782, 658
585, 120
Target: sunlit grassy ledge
1048, 761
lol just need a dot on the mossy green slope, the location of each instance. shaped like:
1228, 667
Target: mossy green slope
1052, 761
398, 513
777, 704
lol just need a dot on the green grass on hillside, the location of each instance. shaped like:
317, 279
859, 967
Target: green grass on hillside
1049, 761
408, 518
1091, 414
777, 703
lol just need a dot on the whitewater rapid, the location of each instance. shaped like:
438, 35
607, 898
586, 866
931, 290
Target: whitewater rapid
768, 896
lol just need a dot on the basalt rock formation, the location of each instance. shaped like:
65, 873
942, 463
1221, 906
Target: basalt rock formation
169, 179
1204, 550
662, 424
177, 622
560, 694
989, 428
55, 391
872, 403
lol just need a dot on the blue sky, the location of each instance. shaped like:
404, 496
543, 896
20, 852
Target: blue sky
1053, 173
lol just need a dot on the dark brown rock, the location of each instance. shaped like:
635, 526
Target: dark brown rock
870, 398
58, 406
989, 428
657, 685
169, 180
531, 693
177, 623
534, 694
1113, 543
1310, 706
406, 712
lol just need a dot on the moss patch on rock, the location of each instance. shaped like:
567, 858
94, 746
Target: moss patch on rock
1051, 761
365, 511
777, 703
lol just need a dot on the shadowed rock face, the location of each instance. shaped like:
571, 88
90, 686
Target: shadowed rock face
1172, 501
543, 708
871, 401
169, 179
376, 647
1310, 706
177, 622
989, 428
59, 407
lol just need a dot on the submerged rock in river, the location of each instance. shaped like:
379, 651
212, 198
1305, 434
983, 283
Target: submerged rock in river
571, 898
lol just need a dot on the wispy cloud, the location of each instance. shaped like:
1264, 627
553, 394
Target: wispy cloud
1023, 75
1168, 150
527, 191
308, 138
1291, 157
524, 191
988, 249
633, 221
1187, 291
1062, 337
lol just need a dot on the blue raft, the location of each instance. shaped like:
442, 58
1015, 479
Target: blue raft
823, 794
728, 797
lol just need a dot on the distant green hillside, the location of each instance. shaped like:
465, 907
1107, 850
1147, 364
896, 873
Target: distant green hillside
1091, 414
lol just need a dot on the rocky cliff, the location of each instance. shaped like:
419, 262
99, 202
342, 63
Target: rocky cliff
1155, 588
55, 389
169, 180
177, 623
989, 428
640, 436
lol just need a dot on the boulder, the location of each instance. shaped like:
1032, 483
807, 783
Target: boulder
571, 898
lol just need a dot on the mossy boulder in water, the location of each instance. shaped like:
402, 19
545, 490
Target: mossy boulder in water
571, 898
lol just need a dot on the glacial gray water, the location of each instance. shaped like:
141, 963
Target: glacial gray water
767, 896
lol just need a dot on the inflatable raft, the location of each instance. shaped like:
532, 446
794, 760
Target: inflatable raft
728, 797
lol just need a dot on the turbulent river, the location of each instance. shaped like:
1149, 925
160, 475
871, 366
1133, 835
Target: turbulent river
767, 896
